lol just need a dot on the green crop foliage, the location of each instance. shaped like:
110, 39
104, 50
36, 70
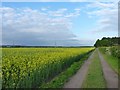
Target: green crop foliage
30, 67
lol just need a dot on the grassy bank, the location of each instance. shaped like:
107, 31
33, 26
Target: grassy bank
94, 78
61, 79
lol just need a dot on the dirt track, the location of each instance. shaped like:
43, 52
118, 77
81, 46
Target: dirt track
77, 80
110, 76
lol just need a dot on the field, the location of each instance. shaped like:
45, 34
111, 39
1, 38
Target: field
31, 67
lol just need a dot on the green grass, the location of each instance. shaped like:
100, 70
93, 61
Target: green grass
61, 79
94, 78
112, 61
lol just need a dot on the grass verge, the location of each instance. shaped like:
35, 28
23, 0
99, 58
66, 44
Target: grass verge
111, 60
94, 78
61, 79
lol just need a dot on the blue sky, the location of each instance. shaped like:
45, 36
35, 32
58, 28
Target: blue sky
67, 23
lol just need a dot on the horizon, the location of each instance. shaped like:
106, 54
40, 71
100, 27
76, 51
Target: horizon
54, 45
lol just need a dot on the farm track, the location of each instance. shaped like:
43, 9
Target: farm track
110, 76
77, 80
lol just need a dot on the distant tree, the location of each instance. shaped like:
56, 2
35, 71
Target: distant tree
97, 43
107, 41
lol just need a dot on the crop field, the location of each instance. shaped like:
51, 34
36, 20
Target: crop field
30, 67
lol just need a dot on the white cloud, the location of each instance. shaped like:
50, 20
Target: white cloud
107, 14
73, 14
59, 12
43, 9
36, 27
102, 5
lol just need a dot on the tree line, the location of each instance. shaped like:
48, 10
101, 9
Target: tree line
107, 41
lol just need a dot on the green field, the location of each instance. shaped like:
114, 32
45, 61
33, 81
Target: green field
31, 67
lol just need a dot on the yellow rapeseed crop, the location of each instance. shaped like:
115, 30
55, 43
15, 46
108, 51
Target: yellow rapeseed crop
30, 67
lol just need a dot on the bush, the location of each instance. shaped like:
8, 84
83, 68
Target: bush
115, 51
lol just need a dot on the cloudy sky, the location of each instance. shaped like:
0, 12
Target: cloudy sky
58, 23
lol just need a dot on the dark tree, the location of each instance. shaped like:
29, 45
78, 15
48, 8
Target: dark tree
107, 42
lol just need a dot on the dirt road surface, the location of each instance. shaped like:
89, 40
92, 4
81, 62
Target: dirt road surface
77, 80
110, 76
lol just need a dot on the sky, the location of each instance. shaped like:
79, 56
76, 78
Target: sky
58, 23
